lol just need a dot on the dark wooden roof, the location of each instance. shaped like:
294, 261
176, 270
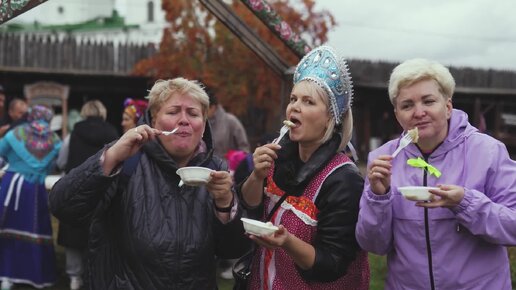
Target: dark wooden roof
375, 74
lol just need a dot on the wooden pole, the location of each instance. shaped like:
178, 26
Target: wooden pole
247, 35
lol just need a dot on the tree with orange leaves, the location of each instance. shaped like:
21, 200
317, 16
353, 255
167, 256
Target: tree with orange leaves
197, 46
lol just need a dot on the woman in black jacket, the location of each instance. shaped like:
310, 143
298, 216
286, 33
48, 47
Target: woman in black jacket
147, 231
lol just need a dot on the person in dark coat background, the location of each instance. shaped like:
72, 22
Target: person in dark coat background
87, 138
16, 115
2, 104
146, 230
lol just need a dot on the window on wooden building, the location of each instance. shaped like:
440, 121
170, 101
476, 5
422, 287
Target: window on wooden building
150, 11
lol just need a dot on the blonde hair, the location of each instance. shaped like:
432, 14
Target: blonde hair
414, 70
347, 121
163, 90
94, 108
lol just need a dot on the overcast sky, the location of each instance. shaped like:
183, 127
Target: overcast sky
472, 33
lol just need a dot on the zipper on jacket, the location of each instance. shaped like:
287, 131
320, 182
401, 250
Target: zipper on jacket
427, 235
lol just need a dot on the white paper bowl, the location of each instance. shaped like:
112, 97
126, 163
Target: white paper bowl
194, 176
50, 180
416, 193
258, 228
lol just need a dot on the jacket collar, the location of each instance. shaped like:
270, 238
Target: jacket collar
458, 130
291, 174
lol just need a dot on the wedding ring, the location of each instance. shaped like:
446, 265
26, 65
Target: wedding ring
136, 129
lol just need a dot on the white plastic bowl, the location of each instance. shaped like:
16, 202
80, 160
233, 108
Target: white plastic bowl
194, 175
258, 228
50, 180
416, 193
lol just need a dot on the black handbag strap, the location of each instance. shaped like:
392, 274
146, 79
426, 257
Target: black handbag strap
246, 270
276, 206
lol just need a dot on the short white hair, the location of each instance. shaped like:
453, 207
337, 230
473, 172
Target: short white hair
414, 70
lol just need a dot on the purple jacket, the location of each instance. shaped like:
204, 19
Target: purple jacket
458, 248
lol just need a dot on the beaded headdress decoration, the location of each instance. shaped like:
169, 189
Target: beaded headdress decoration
323, 67
135, 108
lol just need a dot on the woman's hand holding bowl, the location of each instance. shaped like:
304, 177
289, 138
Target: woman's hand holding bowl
274, 241
446, 196
219, 187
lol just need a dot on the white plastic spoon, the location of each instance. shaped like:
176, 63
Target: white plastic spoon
166, 133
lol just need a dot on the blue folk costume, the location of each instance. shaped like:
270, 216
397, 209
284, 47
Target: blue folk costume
26, 245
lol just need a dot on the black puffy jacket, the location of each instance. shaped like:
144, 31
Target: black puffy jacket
146, 232
86, 139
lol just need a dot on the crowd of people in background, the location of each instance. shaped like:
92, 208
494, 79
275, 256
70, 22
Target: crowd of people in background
128, 221
31, 149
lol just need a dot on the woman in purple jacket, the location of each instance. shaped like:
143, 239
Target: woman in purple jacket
458, 239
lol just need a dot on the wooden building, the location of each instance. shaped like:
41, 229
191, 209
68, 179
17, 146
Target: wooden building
102, 70
91, 69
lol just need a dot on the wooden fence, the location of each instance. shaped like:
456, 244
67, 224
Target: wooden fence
377, 73
69, 54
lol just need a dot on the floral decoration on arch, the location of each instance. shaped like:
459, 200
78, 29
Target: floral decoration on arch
282, 29
12, 8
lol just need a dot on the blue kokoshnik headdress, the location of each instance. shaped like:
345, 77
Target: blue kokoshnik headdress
330, 72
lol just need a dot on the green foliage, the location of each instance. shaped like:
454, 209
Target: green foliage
378, 266
224, 284
512, 257
198, 46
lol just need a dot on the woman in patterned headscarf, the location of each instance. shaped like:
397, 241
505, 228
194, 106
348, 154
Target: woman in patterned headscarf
133, 110
26, 246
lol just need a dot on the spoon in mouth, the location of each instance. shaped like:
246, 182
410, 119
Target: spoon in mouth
166, 133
